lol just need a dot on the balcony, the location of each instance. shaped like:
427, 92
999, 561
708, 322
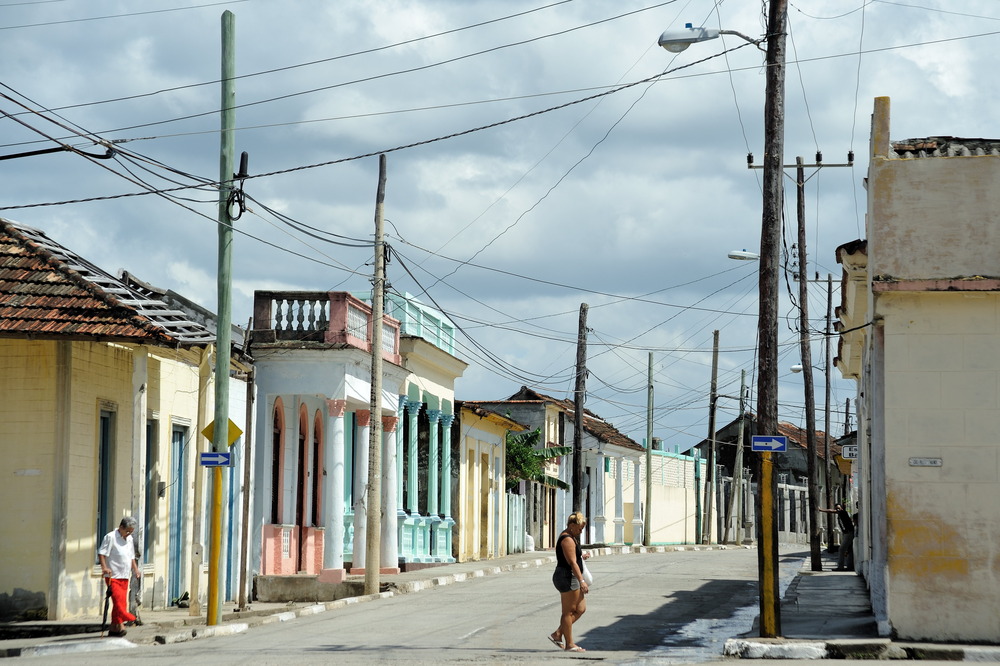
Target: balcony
332, 318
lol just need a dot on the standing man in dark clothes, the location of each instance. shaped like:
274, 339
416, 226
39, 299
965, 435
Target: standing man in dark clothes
845, 556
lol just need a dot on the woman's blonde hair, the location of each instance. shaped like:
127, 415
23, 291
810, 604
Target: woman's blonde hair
576, 518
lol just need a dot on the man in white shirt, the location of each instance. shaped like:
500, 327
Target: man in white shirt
117, 556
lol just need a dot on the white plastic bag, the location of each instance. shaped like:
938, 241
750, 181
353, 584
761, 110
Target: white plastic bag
587, 576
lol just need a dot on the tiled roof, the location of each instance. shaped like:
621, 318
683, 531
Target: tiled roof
945, 146
47, 291
592, 423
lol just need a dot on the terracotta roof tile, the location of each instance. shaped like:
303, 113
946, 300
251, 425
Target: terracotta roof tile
48, 291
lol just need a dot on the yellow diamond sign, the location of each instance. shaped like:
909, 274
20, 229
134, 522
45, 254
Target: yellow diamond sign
231, 437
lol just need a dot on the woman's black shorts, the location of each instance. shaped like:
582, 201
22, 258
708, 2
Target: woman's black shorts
564, 580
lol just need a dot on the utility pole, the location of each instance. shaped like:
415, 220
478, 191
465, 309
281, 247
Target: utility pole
578, 396
223, 333
713, 399
816, 563
767, 320
241, 602
826, 425
373, 502
805, 346
736, 494
647, 530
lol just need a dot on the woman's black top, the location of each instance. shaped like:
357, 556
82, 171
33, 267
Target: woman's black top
561, 560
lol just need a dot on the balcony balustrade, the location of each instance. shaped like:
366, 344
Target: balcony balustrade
334, 318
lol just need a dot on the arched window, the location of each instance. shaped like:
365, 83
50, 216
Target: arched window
318, 473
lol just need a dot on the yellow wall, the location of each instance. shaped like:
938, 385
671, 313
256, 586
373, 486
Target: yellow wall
942, 402
101, 376
27, 444
481, 500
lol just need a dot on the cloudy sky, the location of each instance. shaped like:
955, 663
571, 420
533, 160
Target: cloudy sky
628, 201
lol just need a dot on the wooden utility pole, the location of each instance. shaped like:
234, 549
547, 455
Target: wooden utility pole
767, 320
713, 399
578, 396
374, 492
826, 424
647, 529
736, 494
805, 349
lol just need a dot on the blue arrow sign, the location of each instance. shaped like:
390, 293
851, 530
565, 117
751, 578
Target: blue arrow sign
216, 459
769, 443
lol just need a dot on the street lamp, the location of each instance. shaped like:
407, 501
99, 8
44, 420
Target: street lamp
767, 321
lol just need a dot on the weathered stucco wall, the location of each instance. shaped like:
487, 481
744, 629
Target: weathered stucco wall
27, 442
934, 217
942, 404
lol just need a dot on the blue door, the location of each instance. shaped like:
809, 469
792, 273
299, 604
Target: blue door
178, 500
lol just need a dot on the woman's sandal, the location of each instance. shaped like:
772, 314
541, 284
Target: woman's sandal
553, 640
575, 648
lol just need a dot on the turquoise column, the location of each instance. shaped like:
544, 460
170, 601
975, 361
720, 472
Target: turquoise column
446, 422
443, 535
434, 416
413, 464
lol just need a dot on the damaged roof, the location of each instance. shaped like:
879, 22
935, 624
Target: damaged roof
945, 146
48, 291
592, 423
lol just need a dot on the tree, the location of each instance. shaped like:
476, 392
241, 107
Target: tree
525, 461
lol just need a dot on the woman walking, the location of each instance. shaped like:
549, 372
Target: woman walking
568, 579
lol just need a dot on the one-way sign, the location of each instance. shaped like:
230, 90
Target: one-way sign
216, 459
769, 443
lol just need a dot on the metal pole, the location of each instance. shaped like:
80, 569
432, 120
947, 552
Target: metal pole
373, 544
223, 335
647, 530
247, 458
805, 350
767, 322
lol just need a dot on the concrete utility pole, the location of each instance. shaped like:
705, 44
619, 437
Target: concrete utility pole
373, 500
713, 399
224, 333
647, 530
805, 349
578, 397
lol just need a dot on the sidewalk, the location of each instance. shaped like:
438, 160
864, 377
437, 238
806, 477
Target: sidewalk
827, 615
824, 615
175, 625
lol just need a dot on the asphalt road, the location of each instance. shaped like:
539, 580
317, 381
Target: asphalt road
643, 608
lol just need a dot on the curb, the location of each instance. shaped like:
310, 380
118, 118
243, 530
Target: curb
862, 648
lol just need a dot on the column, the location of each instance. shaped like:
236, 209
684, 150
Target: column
389, 552
619, 502
446, 421
412, 462
600, 520
333, 484
434, 416
637, 501
443, 536
401, 414
363, 421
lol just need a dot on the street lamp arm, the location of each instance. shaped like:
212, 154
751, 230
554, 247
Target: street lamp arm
755, 42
